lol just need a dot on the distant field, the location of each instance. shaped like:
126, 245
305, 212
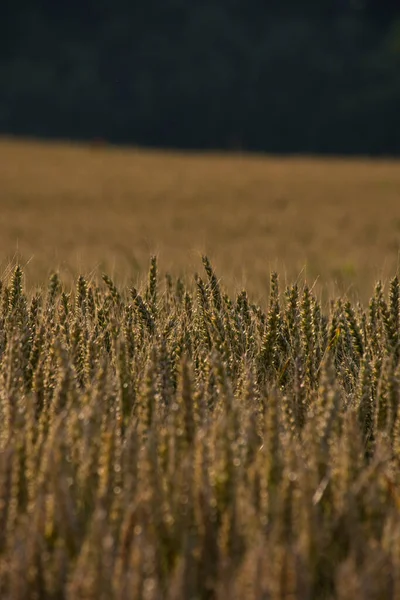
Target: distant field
95, 208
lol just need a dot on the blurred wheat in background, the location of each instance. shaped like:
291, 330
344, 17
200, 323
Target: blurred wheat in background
84, 209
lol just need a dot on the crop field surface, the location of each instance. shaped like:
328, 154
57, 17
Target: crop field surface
96, 208
199, 376
176, 442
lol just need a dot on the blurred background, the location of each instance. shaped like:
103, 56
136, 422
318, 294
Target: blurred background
281, 76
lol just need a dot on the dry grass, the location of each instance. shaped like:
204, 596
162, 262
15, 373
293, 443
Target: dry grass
74, 206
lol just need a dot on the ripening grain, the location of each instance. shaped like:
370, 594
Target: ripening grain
168, 440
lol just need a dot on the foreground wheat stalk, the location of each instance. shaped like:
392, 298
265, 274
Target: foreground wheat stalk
169, 441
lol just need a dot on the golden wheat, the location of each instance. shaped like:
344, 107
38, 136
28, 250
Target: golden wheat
170, 441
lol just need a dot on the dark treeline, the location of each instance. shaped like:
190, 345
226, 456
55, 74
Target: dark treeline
278, 76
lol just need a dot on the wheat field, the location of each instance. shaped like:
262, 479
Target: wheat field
173, 442
177, 428
96, 208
